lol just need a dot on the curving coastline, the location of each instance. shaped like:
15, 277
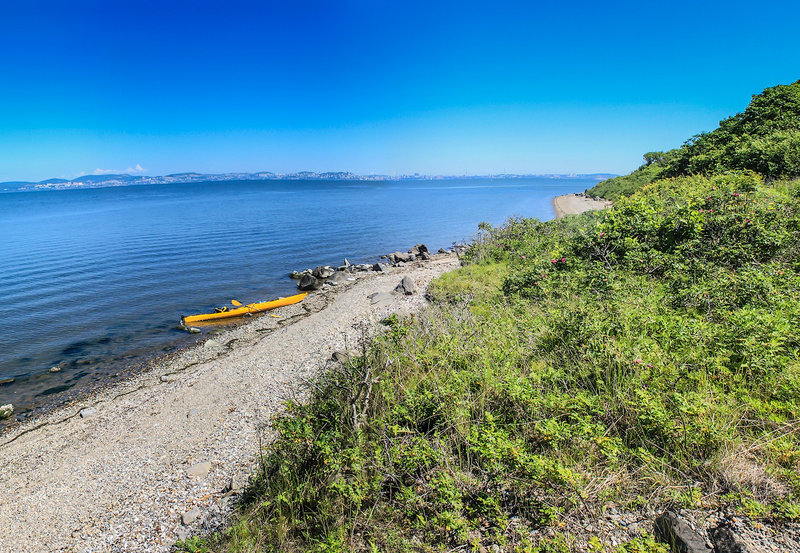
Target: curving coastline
135, 466
575, 204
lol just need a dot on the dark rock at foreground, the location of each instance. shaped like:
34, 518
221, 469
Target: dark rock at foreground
673, 530
309, 282
725, 540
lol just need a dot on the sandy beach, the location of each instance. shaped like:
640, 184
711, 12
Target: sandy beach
574, 204
146, 461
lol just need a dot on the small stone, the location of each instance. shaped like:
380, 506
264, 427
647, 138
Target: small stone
190, 517
88, 412
340, 357
296, 275
4, 381
168, 378
673, 530
199, 470
211, 344
442, 250
379, 267
337, 278
406, 286
6, 411
57, 369
726, 540
194, 330
182, 327
183, 534
236, 484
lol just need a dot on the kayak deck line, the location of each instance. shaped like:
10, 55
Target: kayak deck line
245, 309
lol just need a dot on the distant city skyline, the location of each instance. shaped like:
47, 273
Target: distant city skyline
450, 88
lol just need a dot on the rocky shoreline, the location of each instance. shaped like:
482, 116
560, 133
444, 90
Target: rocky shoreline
145, 461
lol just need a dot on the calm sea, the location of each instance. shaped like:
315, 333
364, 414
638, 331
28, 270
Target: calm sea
94, 281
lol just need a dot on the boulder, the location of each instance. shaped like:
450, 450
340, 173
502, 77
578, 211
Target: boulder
400, 256
418, 249
296, 275
425, 256
442, 250
363, 267
381, 299
338, 277
6, 411
725, 540
406, 287
323, 271
309, 282
673, 530
379, 267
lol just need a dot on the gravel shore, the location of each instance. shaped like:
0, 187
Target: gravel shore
144, 462
574, 204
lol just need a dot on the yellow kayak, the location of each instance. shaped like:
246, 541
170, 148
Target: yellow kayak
245, 309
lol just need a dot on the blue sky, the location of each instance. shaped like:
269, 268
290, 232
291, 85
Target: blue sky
375, 86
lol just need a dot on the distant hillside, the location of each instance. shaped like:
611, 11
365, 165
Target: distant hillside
764, 138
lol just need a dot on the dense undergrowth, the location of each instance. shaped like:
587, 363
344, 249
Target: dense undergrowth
642, 356
764, 138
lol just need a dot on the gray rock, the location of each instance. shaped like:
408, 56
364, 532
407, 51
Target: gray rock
340, 357
296, 275
379, 267
381, 299
337, 278
6, 411
725, 540
406, 286
363, 267
194, 330
169, 378
183, 534
309, 282
673, 530
400, 256
210, 344
6, 381
346, 262
88, 412
199, 470
425, 256
442, 250
323, 271
418, 250
400, 264
57, 369
190, 517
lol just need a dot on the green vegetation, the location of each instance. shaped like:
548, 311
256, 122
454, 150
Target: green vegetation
765, 138
640, 357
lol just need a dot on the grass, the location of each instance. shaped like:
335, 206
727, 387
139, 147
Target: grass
644, 356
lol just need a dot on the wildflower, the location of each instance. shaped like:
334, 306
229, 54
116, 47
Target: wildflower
602, 234
523, 257
552, 261
544, 275
735, 194
649, 365
563, 260
637, 361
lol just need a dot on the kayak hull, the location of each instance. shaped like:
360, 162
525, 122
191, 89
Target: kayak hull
245, 309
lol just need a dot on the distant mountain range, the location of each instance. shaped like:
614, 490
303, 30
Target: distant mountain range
102, 181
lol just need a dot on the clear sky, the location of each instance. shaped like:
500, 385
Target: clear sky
374, 86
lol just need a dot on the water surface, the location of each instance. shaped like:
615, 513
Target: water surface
95, 280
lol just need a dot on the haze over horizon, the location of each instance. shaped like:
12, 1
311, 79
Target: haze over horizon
450, 88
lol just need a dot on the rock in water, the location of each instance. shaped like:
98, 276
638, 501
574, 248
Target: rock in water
6, 381
406, 286
671, 529
57, 369
309, 282
296, 275
323, 272
6, 411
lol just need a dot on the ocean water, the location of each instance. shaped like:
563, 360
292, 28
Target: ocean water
95, 280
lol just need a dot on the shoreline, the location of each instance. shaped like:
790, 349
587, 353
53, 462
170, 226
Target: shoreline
140, 463
575, 204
